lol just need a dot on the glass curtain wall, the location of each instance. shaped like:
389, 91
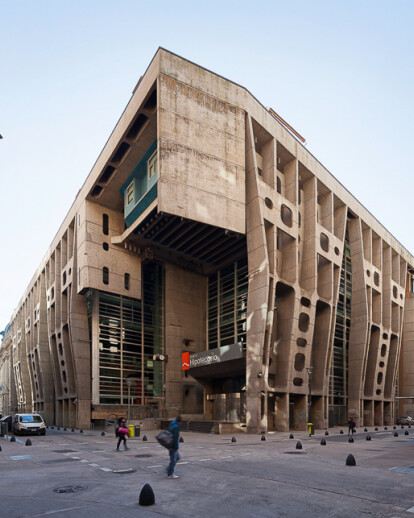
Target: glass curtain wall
130, 333
338, 385
227, 305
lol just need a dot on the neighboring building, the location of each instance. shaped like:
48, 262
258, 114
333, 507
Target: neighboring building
8, 399
207, 263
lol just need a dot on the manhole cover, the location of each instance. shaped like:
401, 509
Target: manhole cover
124, 471
296, 452
142, 455
69, 489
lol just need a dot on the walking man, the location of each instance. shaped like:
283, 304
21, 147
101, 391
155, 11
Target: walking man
174, 428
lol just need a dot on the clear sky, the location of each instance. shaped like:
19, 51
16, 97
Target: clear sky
341, 73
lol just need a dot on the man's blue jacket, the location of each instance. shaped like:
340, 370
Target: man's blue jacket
174, 428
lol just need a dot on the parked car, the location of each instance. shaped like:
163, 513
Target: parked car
28, 424
406, 419
7, 419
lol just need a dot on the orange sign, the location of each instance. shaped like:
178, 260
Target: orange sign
185, 361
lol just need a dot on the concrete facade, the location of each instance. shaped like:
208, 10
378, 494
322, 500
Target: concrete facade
196, 181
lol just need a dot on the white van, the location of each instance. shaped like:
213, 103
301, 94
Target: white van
28, 423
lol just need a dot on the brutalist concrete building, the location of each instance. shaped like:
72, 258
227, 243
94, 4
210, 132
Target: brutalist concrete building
211, 266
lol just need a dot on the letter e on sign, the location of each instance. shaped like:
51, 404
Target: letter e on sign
185, 361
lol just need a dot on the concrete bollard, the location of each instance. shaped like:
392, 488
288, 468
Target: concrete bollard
233, 439
368, 437
181, 439
365, 430
28, 442
263, 438
298, 445
291, 436
406, 432
64, 429
0, 448
326, 432
385, 428
102, 433
72, 430
12, 438
57, 428
350, 439
350, 460
144, 438
323, 442
395, 434
341, 432
394, 427
146, 497
80, 431
376, 429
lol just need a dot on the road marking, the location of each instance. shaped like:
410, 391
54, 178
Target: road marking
75, 458
225, 456
94, 465
201, 447
157, 466
81, 443
204, 460
244, 454
21, 457
58, 511
97, 451
106, 469
182, 463
410, 510
84, 460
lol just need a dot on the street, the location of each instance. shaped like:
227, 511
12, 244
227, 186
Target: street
218, 478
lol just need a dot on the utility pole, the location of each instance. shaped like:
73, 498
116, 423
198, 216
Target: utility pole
309, 371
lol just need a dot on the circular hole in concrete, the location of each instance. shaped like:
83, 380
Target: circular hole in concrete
69, 489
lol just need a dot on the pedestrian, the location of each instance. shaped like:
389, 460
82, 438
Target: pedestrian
174, 428
351, 426
122, 432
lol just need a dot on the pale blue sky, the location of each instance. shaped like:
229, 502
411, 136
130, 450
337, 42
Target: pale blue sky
341, 73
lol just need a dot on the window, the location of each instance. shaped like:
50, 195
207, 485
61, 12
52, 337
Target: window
152, 165
105, 224
126, 281
105, 275
130, 193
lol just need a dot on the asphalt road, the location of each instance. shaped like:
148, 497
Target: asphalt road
218, 478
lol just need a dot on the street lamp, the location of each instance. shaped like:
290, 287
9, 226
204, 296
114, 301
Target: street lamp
128, 381
309, 371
